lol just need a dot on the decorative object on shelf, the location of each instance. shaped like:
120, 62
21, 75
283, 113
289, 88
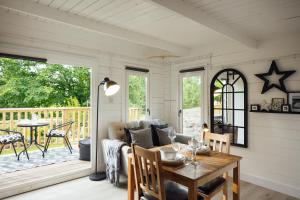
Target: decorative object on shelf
255, 107
276, 104
110, 88
266, 77
294, 101
265, 106
285, 108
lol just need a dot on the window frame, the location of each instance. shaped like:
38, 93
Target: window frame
137, 73
241, 76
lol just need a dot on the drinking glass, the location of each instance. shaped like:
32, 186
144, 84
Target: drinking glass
194, 145
172, 134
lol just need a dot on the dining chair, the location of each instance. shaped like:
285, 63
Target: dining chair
60, 131
149, 177
11, 137
220, 143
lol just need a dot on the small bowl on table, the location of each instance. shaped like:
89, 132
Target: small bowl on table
168, 153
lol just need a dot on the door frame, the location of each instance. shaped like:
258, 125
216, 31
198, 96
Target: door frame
204, 110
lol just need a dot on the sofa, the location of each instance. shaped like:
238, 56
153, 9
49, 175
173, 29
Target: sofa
116, 131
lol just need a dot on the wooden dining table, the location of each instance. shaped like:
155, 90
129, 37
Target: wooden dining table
209, 167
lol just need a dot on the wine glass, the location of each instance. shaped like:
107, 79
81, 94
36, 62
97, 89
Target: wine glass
172, 135
194, 145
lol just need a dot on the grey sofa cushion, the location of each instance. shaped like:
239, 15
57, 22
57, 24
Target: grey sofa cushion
155, 134
182, 138
148, 123
163, 137
142, 137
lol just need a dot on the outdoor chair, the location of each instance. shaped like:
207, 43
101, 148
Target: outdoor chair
60, 131
11, 137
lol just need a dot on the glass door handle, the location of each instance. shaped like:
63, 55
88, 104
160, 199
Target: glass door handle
148, 110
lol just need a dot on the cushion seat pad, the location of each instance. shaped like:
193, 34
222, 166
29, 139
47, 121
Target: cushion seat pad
209, 187
173, 192
57, 133
10, 138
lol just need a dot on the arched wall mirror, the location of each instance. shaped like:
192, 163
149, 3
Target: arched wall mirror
229, 104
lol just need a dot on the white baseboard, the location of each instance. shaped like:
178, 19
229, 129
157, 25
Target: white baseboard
273, 185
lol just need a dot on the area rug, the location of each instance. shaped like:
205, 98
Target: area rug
9, 163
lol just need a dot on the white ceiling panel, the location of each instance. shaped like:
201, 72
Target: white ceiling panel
257, 19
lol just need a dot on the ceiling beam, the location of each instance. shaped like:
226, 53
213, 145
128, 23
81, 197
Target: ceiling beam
42, 11
187, 10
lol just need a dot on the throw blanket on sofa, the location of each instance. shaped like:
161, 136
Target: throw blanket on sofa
113, 160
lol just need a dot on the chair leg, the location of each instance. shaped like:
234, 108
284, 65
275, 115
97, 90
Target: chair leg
14, 149
47, 144
69, 142
68, 145
25, 150
2, 148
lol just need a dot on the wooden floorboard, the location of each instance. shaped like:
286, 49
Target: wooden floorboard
85, 189
35, 178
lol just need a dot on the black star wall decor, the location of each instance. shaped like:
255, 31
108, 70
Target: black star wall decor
273, 68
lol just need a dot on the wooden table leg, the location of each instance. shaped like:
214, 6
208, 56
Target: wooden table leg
225, 188
130, 181
193, 192
236, 182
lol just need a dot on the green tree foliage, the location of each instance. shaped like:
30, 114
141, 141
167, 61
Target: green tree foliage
32, 84
137, 91
191, 92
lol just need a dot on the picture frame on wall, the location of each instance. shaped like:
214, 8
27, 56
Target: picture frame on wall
294, 101
286, 108
276, 104
255, 107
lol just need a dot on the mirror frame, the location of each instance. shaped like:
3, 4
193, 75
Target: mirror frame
212, 108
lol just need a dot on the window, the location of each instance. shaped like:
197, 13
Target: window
137, 95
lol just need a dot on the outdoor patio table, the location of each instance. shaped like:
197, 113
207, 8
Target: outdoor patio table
33, 125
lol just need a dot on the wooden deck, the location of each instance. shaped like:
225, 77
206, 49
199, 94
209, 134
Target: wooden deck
35, 178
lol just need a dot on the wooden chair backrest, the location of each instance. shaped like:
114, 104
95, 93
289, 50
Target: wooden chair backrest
147, 169
218, 142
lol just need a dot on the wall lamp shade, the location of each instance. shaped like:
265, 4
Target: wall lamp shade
110, 88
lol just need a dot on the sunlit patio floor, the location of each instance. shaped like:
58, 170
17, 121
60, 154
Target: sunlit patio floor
57, 166
10, 163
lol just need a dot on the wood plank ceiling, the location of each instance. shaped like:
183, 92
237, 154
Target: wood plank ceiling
255, 18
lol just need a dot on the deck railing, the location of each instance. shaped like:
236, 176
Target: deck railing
135, 114
9, 118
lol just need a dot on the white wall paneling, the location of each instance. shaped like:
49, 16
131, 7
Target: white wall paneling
271, 160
